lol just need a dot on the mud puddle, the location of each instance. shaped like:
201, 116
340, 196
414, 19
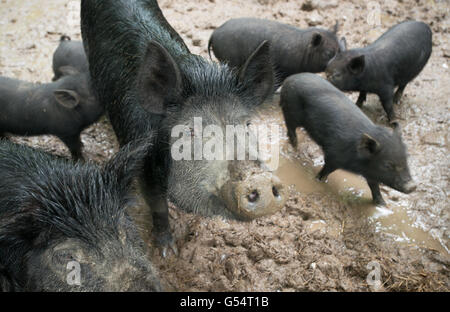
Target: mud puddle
354, 192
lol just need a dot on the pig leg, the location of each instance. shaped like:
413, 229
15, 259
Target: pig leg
326, 170
74, 144
361, 98
386, 97
292, 135
399, 93
154, 192
376, 194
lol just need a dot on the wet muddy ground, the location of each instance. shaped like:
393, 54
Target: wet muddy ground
327, 233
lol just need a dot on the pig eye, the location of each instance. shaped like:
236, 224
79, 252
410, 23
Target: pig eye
63, 257
248, 123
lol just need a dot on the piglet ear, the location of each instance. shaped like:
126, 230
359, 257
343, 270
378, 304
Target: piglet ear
67, 98
158, 78
368, 146
357, 64
343, 44
257, 74
316, 39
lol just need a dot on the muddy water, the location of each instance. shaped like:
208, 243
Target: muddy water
298, 172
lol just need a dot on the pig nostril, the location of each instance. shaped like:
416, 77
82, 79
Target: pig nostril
253, 196
275, 191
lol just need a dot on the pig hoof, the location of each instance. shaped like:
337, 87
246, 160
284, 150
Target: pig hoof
165, 242
379, 202
172, 246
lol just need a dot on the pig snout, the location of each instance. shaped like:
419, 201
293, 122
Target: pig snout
406, 186
409, 187
256, 196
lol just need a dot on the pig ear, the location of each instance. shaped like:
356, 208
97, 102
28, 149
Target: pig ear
316, 39
128, 163
368, 146
357, 64
68, 70
257, 74
67, 98
335, 27
343, 44
158, 78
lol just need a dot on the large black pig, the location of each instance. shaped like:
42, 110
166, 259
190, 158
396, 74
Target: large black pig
149, 81
57, 216
63, 108
349, 139
393, 60
293, 50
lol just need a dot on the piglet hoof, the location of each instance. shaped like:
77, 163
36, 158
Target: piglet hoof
293, 140
321, 178
392, 118
379, 201
79, 159
394, 123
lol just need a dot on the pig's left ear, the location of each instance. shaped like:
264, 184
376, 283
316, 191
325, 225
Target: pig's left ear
257, 74
357, 64
67, 98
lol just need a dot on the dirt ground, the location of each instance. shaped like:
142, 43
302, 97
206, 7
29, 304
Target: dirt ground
328, 235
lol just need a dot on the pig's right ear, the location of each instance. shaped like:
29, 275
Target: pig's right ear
357, 64
158, 78
67, 98
342, 44
368, 146
257, 74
